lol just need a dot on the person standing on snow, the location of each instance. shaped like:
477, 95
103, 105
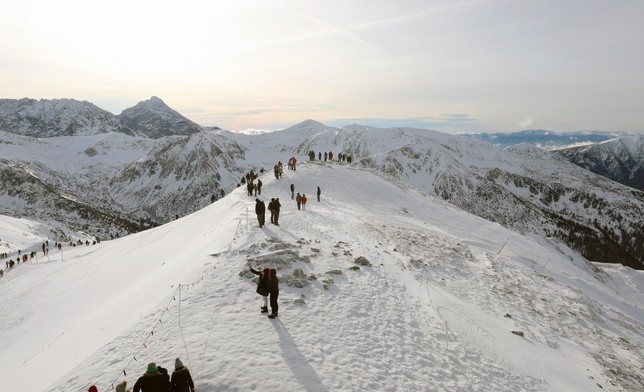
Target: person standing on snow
292, 191
318, 193
152, 381
262, 286
298, 200
276, 208
260, 210
181, 378
271, 209
304, 200
274, 292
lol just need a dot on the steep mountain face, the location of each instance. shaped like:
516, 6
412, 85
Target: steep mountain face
620, 159
154, 119
68, 117
147, 181
57, 117
177, 176
69, 217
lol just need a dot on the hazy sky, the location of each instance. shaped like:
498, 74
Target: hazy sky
452, 65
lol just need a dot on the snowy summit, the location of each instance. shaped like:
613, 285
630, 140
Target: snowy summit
382, 287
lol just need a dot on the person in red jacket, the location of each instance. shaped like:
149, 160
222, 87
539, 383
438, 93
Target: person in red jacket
304, 202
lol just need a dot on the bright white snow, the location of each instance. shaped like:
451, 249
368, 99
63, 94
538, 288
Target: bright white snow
435, 310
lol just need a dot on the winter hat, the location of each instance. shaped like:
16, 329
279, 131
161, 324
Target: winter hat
178, 364
152, 367
92, 389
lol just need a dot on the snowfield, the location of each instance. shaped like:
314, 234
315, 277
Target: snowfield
446, 302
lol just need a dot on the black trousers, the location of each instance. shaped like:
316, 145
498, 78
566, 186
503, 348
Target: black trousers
274, 306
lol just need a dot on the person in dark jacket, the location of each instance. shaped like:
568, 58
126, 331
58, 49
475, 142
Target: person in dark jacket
276, 209
274, 291
181, 379
292, 191
319, 193
152, 381
260, 210
262, 286
298, 200
271, 208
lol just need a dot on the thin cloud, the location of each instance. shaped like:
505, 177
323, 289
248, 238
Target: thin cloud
526, 123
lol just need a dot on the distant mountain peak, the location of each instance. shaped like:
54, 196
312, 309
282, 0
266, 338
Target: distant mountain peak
154, 119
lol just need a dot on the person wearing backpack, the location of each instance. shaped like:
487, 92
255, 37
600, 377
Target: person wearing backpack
152, 381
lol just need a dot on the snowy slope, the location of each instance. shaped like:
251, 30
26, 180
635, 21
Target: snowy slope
433, 311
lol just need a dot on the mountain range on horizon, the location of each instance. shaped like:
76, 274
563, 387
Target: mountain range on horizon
150, 164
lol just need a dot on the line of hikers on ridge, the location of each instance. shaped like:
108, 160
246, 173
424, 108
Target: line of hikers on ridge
157, 379
24, 257
341, 156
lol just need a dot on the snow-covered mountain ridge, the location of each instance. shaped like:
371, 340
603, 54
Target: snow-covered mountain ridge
68, 117
442, 300
620, 159
152, 180
122, 183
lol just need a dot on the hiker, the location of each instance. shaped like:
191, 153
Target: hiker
274, 291
292, 191
258, 188
181, 378
92, 389
152, 381
271, 209
122, 387
318, 193
260, 210
262, 286
298, 200
276, 208
304, 199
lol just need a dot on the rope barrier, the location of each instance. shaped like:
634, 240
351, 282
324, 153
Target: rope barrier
173, 297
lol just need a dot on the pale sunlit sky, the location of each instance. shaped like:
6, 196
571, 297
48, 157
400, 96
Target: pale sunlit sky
497, 65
